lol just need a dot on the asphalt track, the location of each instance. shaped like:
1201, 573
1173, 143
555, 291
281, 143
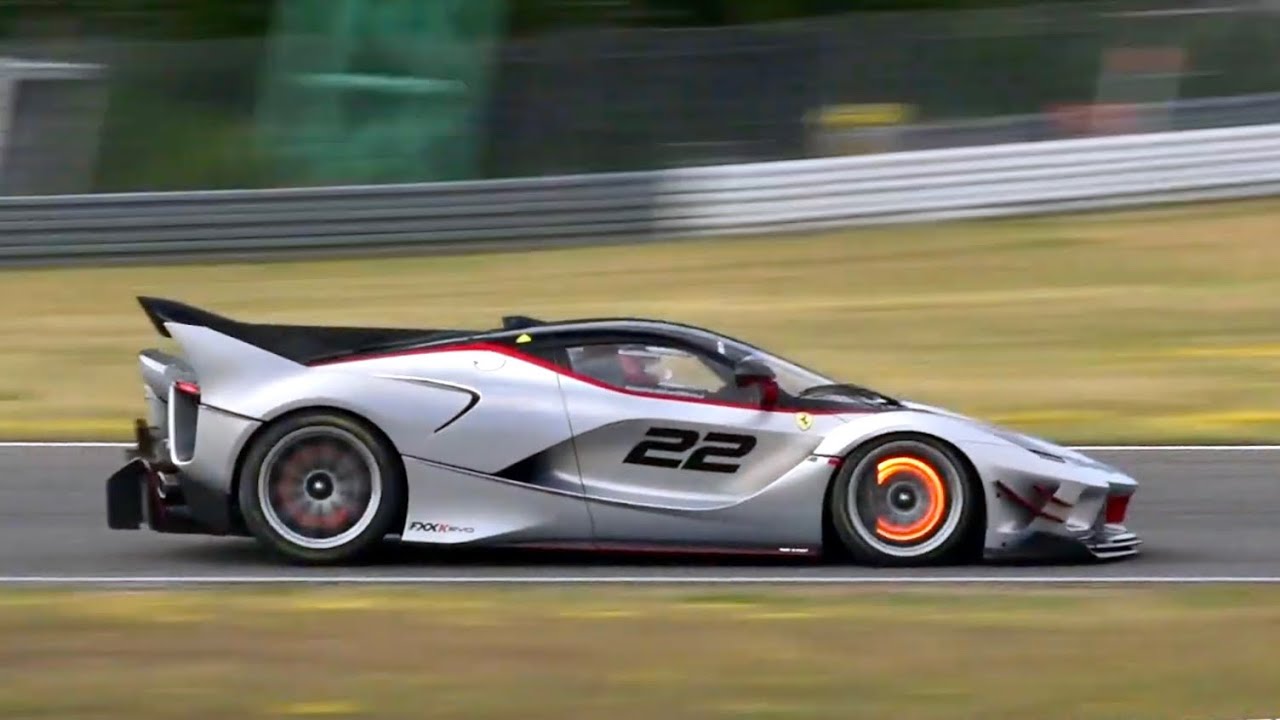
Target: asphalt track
1205, 514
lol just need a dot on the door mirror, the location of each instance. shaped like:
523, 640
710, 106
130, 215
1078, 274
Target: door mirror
752, 371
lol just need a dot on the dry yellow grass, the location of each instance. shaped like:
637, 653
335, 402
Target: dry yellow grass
529, 653
1159, 325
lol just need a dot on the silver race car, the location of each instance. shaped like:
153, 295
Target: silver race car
626, 434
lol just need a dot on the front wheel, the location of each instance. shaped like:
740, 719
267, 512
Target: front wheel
320, 488
902, 502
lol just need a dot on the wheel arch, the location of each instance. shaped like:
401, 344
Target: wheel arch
972, 544
233, 496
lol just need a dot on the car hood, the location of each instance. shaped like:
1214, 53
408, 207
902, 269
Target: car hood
1022, 440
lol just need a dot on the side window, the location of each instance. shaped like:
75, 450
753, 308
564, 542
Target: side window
550, 354
639, 366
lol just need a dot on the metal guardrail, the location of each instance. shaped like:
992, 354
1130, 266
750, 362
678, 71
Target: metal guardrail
988, 181
731, 199
318, 218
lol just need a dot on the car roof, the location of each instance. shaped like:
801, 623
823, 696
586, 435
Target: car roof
591, 329
534, 335
321, 343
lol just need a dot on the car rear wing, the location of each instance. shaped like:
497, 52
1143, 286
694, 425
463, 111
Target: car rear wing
302, 344
161, 311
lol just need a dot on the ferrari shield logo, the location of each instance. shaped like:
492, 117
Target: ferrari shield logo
804, 420
524, 339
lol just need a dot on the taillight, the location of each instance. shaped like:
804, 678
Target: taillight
187, 388
1117, 507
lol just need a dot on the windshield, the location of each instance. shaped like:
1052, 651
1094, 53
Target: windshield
793, 379
797, 380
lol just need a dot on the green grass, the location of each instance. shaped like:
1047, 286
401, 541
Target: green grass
822, 652
1158, 325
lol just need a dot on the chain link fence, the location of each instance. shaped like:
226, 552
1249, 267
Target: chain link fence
180, 114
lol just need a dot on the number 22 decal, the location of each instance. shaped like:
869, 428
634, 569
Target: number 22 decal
673, 441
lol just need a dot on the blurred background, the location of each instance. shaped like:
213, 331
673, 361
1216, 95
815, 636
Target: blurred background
130, 95
1155, 325
535, 122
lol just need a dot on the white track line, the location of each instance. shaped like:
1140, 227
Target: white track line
67, 445
643, 579
1083, 448
1158, 448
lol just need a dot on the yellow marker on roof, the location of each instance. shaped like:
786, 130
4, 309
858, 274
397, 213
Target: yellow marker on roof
524, 338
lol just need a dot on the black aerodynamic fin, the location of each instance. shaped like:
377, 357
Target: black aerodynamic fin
520, 322
160, 311
300, 343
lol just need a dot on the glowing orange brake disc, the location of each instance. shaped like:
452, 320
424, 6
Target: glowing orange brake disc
934, 489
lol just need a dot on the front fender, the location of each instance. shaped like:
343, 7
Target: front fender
842, 440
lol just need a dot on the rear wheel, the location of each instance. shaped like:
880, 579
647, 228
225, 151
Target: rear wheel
902, 501
320, 488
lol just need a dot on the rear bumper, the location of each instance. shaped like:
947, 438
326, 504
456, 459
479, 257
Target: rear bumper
137, 497
148, 492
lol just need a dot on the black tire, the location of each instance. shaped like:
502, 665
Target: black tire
342, 465
890, 523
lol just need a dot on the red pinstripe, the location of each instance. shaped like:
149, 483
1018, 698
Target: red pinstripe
565, 372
